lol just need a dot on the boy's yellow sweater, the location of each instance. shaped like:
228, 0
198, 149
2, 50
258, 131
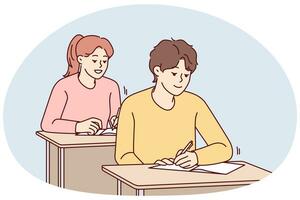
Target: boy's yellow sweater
147, 133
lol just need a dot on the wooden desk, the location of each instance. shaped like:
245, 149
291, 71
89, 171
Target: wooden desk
140, 180
73, 161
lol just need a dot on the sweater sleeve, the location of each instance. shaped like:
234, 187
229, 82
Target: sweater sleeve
218, 147
52, 119
114, 100
124, 153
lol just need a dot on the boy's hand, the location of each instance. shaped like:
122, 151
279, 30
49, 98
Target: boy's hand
165, 161
187, 160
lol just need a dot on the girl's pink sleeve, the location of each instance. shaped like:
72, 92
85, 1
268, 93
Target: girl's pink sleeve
115, 99
52, 121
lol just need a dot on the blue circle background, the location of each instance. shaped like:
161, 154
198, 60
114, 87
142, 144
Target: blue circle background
241, 81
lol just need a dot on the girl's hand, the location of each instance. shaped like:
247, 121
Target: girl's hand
90, 126
114, 122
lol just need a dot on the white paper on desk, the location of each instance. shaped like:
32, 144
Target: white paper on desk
173, 167
108, 131
221, 168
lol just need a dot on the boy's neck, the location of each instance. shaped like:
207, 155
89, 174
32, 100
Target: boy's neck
162, 97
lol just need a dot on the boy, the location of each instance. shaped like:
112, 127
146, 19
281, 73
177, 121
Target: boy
157, 123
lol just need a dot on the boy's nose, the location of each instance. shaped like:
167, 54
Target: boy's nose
181, 79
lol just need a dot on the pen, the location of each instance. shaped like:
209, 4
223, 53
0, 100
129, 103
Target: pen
187, 147
116, 120
110, 124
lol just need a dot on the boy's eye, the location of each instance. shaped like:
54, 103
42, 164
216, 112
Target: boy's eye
186, 75
94, 61
174, 74
104, 61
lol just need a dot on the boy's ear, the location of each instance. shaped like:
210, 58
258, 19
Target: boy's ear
79, 59
157, 70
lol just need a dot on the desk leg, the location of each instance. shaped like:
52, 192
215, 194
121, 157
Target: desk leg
61, 167
47, 162
140, 192
119, 188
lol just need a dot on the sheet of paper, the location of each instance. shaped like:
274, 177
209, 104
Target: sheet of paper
221, 168
108, 131
173, 167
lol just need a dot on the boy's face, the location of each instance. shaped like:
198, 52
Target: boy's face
174, 80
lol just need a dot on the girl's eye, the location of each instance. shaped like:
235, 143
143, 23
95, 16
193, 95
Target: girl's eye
186, 75
104, 61
174, 74
94, 61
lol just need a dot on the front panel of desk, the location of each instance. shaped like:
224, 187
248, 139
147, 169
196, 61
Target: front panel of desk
127, 190
77, 168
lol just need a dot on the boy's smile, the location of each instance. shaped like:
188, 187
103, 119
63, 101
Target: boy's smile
174, 80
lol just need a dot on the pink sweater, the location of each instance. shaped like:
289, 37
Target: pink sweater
71, 102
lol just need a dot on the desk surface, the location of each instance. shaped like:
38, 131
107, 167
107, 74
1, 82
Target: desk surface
141, 177
64, 140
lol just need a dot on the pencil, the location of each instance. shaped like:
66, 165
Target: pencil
187, 147
116, 120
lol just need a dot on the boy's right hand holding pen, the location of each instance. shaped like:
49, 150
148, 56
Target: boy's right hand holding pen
184, 158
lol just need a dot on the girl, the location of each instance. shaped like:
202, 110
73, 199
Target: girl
84, 100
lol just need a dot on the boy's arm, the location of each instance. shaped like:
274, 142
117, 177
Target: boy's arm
218, 147
125, 137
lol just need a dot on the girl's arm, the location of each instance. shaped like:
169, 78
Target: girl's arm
52, 119
114, 101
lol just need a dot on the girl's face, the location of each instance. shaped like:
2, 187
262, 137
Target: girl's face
95, 65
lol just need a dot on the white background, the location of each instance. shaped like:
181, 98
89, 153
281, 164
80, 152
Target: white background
24, 24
